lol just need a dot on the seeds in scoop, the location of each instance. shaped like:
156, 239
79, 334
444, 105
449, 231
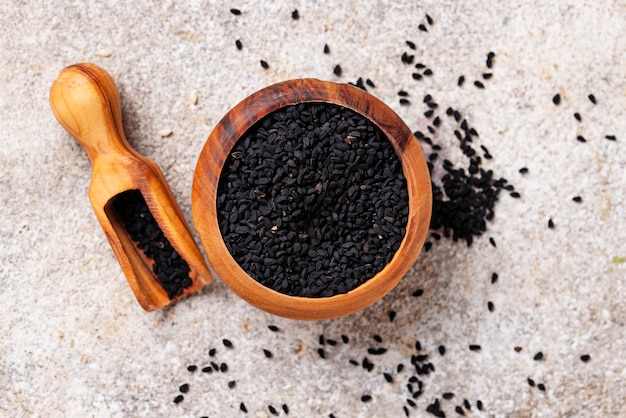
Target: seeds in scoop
329, 202
171, 269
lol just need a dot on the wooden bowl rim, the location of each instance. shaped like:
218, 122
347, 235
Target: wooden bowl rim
241, 118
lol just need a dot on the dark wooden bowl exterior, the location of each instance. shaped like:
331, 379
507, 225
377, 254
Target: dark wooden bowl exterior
241, 118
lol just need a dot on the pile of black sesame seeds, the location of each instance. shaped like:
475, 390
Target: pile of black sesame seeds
171, 269
465, 198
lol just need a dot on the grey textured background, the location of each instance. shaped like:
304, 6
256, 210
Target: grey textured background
77, 344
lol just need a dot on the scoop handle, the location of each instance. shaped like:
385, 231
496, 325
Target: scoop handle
86, 102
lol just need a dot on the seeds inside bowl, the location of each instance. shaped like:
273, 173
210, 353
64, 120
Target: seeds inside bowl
312, 200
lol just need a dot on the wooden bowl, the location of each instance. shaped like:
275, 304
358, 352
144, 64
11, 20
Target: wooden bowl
234, 125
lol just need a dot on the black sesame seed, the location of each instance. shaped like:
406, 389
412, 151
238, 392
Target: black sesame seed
479, 84
410, 44
494, 278
238, 44
273, 328
578, 117
184, 388
399, 368
404, 101
492, 241
192, 368
581, 138
515, 195
264, 64
337, 70
388, 377
376, 351
378, 338
179, 399
272, 410
321, 340
448, 395
353, 362
429, 19
531, 382
523, 170
403, 93
367, 365
345, 339
585, 358
459, 410
467, 405
487, 76
592, 99
461, 80
392, 316
326, 49
236, 12
428, 72
370, 83
611, 137
330, 341
267, 353
422, 28
285, 409
538, 356
418, 292
550, 223
212, 352
416, 76
541, 387
490, 306
232, 384
577, 199
479, 405
207, 369
227, 343
242, 407
321, 353
517, 349
366, 398
411, 402
474, 347
418, 346
295, 15
556, 99
442, 350
223, 367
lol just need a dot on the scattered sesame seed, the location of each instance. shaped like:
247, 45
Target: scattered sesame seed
242, 407
212, 352
264, 64
326, 49
487, 76
479, 84
404, 101
466, 404
104, 53
479, 405
459, 410
442, 350
267, 353
273, 328
179, 399
538, 356
184, 388
165, 132
517, 349
422, 28
531, 382
238, 44
581, 138
345, 339
192, 368
461, 80
515, 195
236, 12
388, 377
523, 170
610, 137
366, 398
207, 369
448, 395
321, 352
418, 292
227, 343
550, 223
285, 409
392, 316
577, 199
428, 72
474, 347
585, 358
330, 341
556, 99
370, 83
223, 367
578, 117
272, 410
492, 241
490, 306
429, 19
411, 402
592, 99
541, 387
494, 278
378, 338
399, 368
295, 15
418, 346
410, 44
337, 70
232, 384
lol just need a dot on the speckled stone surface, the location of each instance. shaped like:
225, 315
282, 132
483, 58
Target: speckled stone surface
76, 343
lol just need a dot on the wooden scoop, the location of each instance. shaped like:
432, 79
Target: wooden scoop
86, 102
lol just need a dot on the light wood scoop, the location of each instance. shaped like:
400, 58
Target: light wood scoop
86, 102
